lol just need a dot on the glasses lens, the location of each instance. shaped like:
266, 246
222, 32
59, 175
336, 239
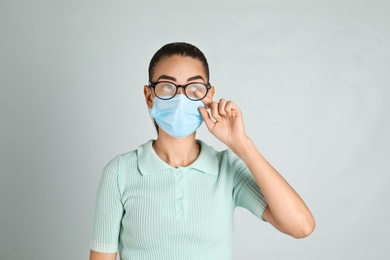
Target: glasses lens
165, 90
196, 91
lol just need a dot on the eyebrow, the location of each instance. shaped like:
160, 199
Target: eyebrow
195, 77
174, 79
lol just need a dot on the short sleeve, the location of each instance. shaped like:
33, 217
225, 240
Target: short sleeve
108, 211
246, 192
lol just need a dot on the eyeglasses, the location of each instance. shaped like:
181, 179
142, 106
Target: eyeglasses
166, 90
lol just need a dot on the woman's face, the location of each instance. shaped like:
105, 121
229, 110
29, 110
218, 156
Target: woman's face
180, 70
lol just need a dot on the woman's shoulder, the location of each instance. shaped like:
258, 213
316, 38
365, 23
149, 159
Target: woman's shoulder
127, 157
225, 156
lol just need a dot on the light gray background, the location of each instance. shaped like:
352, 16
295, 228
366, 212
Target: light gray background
311, 78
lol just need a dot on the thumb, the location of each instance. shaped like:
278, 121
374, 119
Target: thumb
206, 118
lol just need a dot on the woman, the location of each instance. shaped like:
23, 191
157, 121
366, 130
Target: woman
174, 197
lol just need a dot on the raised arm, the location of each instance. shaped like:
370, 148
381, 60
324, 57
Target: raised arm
286, 210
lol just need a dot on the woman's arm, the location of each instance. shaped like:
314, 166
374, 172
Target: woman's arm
101, 256
286, 210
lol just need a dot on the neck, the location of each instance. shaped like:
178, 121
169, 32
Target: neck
176, 151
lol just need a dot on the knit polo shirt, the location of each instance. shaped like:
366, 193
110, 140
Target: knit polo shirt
149, 210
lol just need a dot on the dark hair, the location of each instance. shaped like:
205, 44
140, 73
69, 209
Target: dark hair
181, 49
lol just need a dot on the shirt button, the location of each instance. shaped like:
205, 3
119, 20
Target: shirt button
178, 174
180, 211
180, 194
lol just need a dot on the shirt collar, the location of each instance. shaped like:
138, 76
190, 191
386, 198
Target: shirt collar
149, 162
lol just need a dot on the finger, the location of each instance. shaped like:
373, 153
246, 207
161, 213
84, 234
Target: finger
231, 108
207, 101
214, 111
221, 107
198, 94
228, 108
206, 118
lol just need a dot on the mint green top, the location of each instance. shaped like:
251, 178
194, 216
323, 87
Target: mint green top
148, 210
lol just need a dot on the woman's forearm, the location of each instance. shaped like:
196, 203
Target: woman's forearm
287, 208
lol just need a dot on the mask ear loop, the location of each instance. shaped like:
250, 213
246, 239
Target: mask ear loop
150, 115
150, 111
153, 121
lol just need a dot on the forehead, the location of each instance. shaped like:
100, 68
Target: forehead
179, 67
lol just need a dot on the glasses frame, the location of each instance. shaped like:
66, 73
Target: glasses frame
153, 85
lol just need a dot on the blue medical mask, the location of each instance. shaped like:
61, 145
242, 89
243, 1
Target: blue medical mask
178, 116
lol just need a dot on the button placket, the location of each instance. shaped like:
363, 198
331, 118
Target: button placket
179, 194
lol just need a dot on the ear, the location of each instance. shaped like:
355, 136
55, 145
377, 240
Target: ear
148, 96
